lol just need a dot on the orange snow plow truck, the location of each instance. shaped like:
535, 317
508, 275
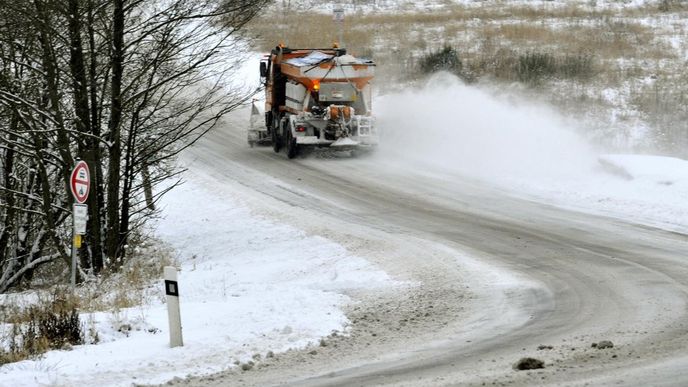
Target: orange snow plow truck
316, 98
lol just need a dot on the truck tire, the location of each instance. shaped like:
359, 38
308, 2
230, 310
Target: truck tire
292, 148
276, 143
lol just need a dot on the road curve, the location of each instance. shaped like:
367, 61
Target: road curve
595, 278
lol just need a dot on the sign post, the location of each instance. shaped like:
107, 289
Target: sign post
173, 315
338, 17
80, 183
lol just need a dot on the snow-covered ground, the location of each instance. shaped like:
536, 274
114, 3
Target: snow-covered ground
645, 189
248, 286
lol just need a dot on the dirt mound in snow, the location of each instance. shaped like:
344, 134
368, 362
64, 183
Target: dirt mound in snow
529, 363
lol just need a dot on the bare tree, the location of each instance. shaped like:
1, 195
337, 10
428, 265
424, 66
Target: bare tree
124, 85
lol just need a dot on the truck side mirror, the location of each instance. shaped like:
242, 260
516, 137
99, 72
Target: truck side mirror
263, 69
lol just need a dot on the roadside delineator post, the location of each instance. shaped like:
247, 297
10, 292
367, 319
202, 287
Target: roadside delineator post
173, 314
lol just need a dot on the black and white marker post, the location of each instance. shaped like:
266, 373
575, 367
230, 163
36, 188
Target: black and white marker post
173, 314
80, 183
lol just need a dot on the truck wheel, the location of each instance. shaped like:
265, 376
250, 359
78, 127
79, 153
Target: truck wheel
275, 141
292, 148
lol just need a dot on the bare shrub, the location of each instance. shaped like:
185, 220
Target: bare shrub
131, 285
665, 107
578, 66
444, 59
534, 66
499, 64
671, 5
50, 324
56, 328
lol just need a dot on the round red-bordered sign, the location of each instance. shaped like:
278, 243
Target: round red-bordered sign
80, 182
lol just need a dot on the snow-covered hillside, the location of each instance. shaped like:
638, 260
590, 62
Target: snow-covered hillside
439, 5
621, 63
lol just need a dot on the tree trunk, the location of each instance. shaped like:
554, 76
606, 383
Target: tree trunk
114, 126
128, 181
49, 62
10, 221
96, 198
147, 186
83, 121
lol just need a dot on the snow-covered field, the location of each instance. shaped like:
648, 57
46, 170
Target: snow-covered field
439, 5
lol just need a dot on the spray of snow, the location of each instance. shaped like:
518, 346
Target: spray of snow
462, 128
448, 128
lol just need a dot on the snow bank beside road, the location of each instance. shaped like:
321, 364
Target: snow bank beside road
651, 190
247, 286
652, 169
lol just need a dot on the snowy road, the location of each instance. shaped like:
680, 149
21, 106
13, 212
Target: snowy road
568, 279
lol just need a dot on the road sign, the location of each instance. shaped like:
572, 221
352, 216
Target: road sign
80, 213
80, 182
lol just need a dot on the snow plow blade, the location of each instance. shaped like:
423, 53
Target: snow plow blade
257, 132
344, 143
